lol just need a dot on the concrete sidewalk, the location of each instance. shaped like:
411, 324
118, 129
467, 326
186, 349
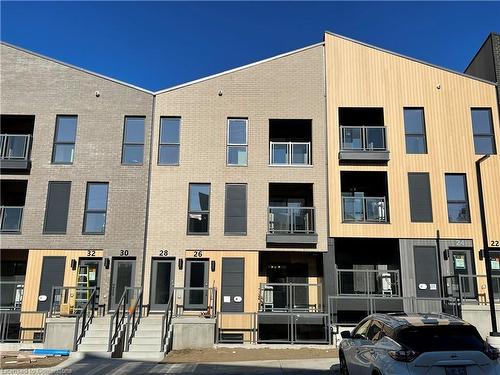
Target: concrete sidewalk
80, 365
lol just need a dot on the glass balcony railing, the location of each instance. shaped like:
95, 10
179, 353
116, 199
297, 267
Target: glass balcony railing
15, 146
11, 294
369, 282
363, 138
10, 218
291, 220
364, 209
290, 153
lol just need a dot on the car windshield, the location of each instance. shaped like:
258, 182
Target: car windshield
440, 338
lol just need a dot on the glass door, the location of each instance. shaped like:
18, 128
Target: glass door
196, 277
122, 277
495, 272
462, 265
162, 283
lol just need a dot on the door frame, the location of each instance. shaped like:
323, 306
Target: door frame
152, 285
111, 302
187, 275
473, 294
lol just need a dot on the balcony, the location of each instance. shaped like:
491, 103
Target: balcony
291, 225
381, 283
14, 153
363, 143
364, 209
10, 219
290, 153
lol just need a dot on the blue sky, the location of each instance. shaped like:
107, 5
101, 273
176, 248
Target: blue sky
159, 44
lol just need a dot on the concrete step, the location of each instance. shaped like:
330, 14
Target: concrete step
97, 333
149, 347
146, 340
152, 333
144, 356
95, 340
101, 347
96, 354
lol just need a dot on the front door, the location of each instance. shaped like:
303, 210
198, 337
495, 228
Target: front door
162, 283
52, 275
94, 272
196, 277
233, 284
495, 272
462, 264
122, 276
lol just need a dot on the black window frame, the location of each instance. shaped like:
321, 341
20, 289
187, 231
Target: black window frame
490, 135
422, 135
125, 143
169, 144
466, 201
202, 212
50, 183
56, 143
236, 145
86, 210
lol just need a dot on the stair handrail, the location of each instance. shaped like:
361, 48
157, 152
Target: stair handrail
134, 314
166, 324
86, 322
117, 319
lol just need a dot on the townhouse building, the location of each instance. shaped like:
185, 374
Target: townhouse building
272, 202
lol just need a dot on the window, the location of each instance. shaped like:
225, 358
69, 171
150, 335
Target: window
361, 330
199, 208
237, 143
56, 213
95, 208
482, 126
456, 194
133, 141
64, 140
415, 131
420, 197
168, 153
235, 220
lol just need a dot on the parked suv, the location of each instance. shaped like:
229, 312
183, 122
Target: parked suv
416, 344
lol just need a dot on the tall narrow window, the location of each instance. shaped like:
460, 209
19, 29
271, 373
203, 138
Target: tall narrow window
420, 197
168, 153
235, 221
95, 208
56, 212
199, 208
237, 143
133, 141
415, 131
457, 199
482, 126
64, 140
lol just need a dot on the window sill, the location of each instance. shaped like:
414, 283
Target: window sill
291, 165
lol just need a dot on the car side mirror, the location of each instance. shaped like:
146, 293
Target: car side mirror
345, 334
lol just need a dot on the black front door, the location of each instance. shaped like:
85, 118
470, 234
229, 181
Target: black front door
162, 282
426, 272
196, 277
52, 275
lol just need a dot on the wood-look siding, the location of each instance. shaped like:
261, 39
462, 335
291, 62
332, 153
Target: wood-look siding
362, 76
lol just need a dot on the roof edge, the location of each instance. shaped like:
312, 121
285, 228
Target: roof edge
489, 38
411, 58
242, 67
75, 67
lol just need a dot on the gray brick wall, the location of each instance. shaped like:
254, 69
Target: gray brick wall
31, 85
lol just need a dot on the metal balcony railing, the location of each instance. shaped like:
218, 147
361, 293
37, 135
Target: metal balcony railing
10, 218
15, 146
363, 138
364, 209
291, 220
11, 295
290, 153
369, 282
280, 297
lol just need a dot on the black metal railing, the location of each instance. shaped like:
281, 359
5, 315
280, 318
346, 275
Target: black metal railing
11, 295
22, 326
69, 301
85, 317
284, 297
117, 327
166, 325
133, 319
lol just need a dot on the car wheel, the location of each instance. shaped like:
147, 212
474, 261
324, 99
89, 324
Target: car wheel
343, 365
